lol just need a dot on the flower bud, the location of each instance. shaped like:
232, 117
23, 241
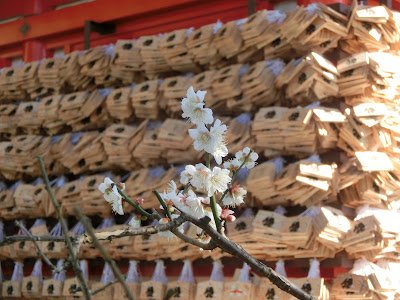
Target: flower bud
230, 218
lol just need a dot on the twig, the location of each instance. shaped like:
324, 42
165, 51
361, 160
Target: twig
8, 240
163, 204
74, 260
226, 245
128, 231
105, 286
106, 256
101, 288
54, 269
209, 246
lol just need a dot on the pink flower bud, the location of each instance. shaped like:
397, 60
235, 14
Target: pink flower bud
231, 218
139, 201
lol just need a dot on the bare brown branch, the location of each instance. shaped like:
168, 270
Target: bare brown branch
89, 229
40, 252
72, 256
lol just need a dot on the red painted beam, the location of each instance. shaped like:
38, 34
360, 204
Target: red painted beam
72, 18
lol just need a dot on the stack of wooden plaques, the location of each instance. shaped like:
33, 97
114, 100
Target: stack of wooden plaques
201, 47
355, 74
116, 140
309, 78
19, 155
75, 161
152, 57
287, 237
331, 226
92, 201
203, 81
284, 129
30, 200
119, 104
127, 61
364, 238
8, 121
94, 155
69, 195
258, 83
328, 123
93, 113
307, 183
238, 133
48, 113
10, 84
372, 28
145, 99
272, 41
96, 62
316, 27
175, 141
350, 286
27, 116
70, 106
7, 204
228, 39
70, 71
173, 47
260, 183
30, 80
49, 74
226, 85
174, 89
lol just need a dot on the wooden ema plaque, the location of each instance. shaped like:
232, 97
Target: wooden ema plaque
210, 290
152, 290
31, 287
11, 289
182, 290
69, 289
52, 287
238, 290
268, 291
312, 286
119, 292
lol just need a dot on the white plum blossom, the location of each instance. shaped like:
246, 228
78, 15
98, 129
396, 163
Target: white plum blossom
232, 164
203, 139
194, 205
235, 196
111, 194
169, 234
172, 196
135, 221
219, 181
212, 141
193, 108
242, 155
198, 176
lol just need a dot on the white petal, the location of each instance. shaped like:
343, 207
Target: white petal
201, 95
246, 150
250, 165
253, 156
103, 187
190, 93
108, 181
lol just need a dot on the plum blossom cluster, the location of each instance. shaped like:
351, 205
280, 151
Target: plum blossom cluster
202, 182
